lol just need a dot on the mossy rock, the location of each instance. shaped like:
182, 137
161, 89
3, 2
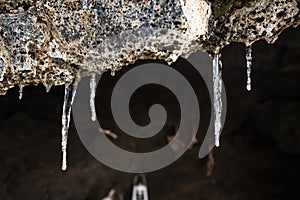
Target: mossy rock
220, 7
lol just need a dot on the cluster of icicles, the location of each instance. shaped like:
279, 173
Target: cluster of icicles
218, 84
70, 91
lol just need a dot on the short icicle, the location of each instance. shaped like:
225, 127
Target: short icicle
93, 88
113, 72
48, 88
217, 85
20, 92
2, 69
249, 66
70, 92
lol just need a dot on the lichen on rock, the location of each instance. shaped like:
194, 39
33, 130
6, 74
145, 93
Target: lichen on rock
48, 41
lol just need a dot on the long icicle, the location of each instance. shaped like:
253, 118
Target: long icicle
70, 92
249, 66
93, 88
217, 81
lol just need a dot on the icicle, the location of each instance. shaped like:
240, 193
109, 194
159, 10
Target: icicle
217, 81
2, 69
93, 88
1, 74
70, 92
20, 92
113, 72
249, 65
48, 88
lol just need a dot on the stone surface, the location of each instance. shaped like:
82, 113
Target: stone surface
49, 41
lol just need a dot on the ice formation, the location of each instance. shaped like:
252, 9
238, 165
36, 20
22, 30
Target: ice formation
70, 91
20, 92
249, 66
93, 88
113, 72
48, 88
217, 101
2, 69
49, 41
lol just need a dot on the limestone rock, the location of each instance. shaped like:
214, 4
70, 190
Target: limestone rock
49, 41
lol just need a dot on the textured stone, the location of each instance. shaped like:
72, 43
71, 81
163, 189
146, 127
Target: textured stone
49, 41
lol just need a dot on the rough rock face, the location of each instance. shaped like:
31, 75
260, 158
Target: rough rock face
49, 41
